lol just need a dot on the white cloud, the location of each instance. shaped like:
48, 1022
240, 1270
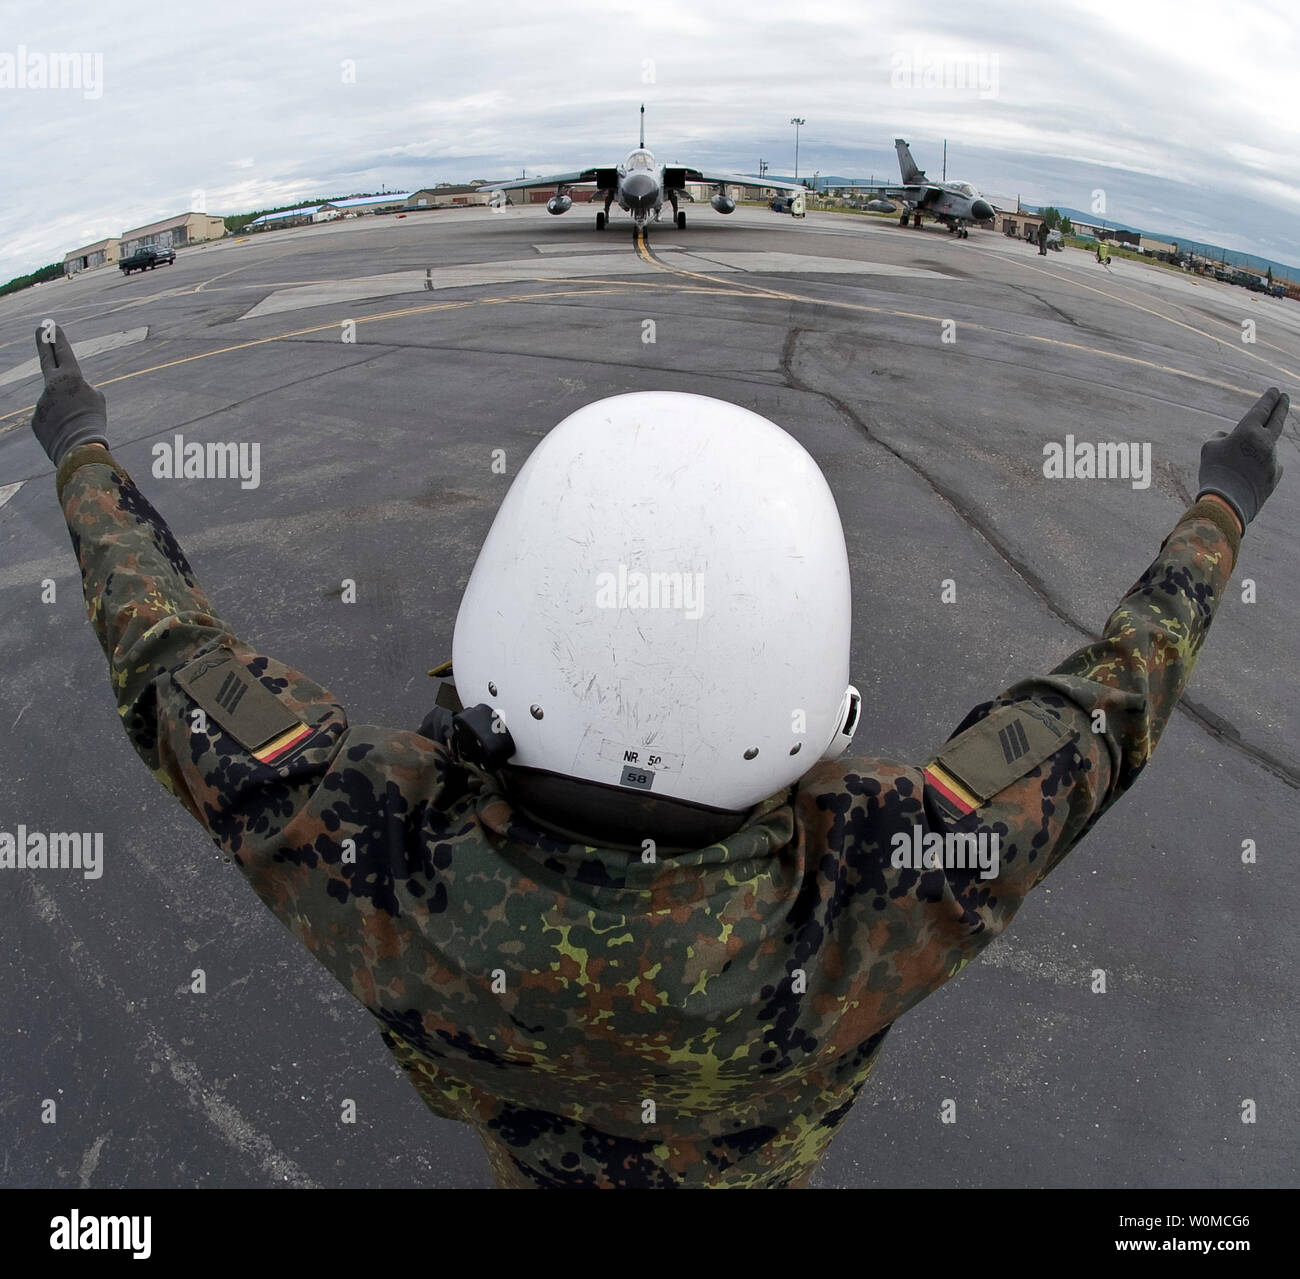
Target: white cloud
1153, 93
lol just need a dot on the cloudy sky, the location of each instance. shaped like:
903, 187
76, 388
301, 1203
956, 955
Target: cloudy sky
1184, 114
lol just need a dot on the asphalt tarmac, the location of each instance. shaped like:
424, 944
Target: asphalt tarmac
477, 330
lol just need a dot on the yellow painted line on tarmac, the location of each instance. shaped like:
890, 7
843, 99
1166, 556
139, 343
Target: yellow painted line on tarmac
643, 249
318, 328
1238, 345
605, 287
233, 271
720, 287
759, 291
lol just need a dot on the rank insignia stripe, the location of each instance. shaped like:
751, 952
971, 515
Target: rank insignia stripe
994, 753
236, 700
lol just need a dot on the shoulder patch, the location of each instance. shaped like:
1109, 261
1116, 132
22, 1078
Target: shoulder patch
223, 686
990, 755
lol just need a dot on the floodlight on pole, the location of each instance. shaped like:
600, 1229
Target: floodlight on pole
797, 121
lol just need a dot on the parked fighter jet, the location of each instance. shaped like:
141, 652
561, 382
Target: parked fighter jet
952, 203
640, 185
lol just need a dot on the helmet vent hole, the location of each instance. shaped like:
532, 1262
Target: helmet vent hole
492, 688
752, 753
535, 711
795, 749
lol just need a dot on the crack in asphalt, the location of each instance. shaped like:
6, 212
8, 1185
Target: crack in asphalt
1213, 723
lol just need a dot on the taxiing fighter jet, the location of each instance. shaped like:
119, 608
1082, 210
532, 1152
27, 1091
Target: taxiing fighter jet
952, 203
641, 186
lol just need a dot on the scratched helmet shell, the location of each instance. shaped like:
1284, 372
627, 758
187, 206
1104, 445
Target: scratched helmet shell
662, 605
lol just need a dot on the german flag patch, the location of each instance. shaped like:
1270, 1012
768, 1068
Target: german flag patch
954, 797
283, 745
236, 700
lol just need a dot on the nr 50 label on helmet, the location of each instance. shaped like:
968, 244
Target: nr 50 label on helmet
639, 763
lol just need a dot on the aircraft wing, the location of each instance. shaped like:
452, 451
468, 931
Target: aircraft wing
912, 194
556, 179
732, 179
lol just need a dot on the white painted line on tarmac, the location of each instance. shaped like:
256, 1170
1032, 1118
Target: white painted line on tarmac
576, 248
91, 346
805, 264
561, 268
447, 277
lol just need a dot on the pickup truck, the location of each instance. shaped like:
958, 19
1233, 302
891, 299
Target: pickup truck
146, 259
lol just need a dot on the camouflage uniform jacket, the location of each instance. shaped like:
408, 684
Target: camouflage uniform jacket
704, 1020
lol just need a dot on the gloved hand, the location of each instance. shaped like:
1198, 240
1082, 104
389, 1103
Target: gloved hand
70, 411
1242, 468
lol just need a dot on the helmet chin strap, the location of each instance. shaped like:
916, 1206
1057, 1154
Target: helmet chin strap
476, 736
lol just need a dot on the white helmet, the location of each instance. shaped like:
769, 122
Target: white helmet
661, 610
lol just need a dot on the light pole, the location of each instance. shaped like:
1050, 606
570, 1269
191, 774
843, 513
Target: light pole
796, 121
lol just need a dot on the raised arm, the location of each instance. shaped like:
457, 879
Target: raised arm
935, 862
330, 823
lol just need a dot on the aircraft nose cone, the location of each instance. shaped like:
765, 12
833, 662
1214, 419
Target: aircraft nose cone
981, 210
639, 188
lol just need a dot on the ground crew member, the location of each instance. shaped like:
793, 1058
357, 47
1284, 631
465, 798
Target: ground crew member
676, 969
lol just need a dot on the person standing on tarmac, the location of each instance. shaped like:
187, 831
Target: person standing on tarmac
1042, 238
633, 918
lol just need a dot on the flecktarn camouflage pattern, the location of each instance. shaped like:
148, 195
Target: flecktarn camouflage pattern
707, 1019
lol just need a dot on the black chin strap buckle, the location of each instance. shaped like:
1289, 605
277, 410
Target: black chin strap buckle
475, 736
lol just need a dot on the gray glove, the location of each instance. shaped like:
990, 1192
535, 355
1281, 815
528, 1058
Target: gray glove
70, 411
1242, 468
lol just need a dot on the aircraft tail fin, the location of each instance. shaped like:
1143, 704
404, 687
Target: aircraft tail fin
912, 176
642, 144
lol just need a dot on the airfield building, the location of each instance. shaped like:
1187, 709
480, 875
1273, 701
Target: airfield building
288, 217
390, 202
447, 196
175, 232
101, 253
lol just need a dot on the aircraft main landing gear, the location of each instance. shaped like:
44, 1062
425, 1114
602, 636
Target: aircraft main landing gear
903, 220
681, 220
600, 221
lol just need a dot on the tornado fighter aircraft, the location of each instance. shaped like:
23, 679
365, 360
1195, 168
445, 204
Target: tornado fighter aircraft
952, 203
641, 186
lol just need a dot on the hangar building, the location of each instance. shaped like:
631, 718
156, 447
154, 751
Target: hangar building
101, 253
184, 228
